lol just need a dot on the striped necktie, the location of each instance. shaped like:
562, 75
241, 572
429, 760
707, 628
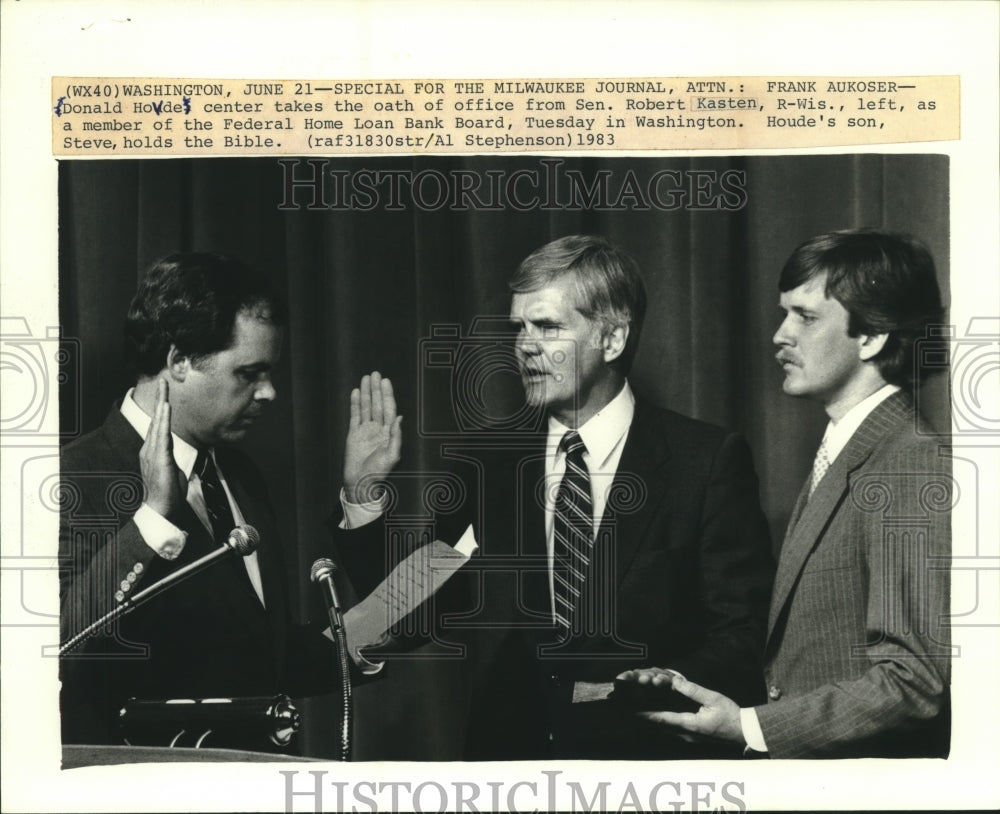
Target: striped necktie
573, 532
216, 502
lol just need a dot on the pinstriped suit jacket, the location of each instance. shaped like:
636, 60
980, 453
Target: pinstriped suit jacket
857, 654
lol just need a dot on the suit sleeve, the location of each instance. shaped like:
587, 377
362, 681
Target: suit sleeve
97, 556
99, 546
736, 573
902, 697
362, 551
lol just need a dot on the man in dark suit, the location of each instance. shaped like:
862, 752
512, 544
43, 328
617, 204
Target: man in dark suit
618, 532
857, 654
156, 488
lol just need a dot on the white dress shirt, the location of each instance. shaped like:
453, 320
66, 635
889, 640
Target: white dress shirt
837, 434
159, 533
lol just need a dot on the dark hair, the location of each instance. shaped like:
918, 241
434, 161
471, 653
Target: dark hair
191, 301
886, 282
609, 287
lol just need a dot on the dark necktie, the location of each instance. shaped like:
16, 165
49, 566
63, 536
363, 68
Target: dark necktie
216, 502
573, 533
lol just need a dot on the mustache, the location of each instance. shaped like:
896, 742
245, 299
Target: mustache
783, 357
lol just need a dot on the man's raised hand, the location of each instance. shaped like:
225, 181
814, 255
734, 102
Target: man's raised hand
165, 484
374, 438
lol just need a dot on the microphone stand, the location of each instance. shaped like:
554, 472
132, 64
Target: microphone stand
242, 540
322, 574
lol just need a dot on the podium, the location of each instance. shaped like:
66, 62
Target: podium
76, 756
221, 730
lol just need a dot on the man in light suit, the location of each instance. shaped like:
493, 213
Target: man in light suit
157, 487
857, 653
644, 542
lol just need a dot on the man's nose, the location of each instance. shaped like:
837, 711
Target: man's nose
782, 336
265, 391
524, 344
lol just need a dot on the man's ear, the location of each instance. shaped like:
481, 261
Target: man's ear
613, 342
178, 364
871, 345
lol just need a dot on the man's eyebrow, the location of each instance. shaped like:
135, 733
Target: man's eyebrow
541, 319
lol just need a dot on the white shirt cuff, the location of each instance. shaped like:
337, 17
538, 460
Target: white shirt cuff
368, 668
159, 533
357, 515
751, 729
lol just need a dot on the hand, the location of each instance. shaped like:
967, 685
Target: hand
718, 717
649, 689
646, 676
374, 438
165, 484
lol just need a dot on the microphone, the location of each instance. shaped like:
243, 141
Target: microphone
242, 540
321, 573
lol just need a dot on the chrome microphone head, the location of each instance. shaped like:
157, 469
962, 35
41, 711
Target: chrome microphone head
244, 539
321, 569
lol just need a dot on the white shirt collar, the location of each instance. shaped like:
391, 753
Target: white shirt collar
184, 454
840, 432
601, 433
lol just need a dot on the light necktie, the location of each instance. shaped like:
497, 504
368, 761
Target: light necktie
820, 464
573, 532
216, 502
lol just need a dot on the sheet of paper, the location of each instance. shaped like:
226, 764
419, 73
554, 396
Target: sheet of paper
410, 584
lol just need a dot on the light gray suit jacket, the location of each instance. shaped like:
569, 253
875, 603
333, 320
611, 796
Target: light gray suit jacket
857, 655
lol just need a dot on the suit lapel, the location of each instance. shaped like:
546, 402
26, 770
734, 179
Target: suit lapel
641, 471
239, 590
812, 515
249, 509
531, 542
800, 504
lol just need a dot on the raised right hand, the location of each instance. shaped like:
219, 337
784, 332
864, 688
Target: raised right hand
165, 484
374, 438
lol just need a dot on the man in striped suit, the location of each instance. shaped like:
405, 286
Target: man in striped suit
857, 652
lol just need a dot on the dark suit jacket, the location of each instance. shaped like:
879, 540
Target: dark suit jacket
208, 636
858, 647
683, 558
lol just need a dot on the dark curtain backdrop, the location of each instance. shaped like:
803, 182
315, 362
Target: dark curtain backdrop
364, 287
